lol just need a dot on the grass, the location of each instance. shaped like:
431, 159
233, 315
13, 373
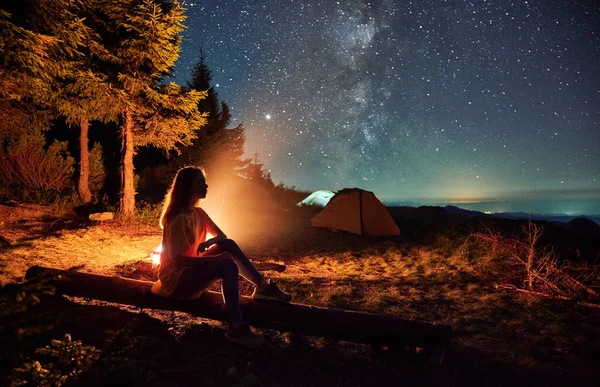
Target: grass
438, 274
98, 249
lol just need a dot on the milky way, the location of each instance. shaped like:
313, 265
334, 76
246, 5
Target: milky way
409, 98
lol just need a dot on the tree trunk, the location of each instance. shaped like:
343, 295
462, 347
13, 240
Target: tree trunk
288, 317
84, 165
128, 199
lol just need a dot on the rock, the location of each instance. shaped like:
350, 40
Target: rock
102, 216
85, 210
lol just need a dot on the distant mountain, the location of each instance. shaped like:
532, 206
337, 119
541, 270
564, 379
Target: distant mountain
561, 218
395, 203
457, 210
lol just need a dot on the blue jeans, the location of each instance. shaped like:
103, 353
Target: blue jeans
195, 279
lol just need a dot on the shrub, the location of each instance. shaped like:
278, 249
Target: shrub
529, 267
52, 365
63, 360
148, 212
33, 173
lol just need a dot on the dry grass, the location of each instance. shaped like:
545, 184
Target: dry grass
97, 249
532, 268
449, 280
33, 240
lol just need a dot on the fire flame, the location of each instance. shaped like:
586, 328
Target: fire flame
155, 256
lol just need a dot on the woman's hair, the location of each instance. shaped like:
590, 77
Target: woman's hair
178, 195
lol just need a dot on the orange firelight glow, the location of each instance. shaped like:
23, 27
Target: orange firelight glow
155, 257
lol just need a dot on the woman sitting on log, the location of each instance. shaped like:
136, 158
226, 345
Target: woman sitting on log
189, 263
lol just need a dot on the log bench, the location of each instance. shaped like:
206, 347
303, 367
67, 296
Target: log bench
309, 320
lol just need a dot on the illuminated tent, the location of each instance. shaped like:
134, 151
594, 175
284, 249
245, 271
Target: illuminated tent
318, 199
356, 211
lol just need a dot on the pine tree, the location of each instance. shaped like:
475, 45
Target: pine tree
36, 38
217, 148
146, 40
201, 80
38, 43
84, 92
256, 172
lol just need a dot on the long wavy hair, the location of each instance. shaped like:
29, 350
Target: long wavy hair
178, 195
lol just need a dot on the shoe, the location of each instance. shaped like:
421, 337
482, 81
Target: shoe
271, 293
244, 336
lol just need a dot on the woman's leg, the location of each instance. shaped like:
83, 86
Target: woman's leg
246, 268
264, 290
195, 279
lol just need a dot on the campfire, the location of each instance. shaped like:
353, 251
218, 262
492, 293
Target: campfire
155, 256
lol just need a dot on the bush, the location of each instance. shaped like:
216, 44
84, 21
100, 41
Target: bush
63, 360
31, 172
52, 365
148, 212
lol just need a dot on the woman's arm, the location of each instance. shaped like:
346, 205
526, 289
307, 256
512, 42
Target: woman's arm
213, 229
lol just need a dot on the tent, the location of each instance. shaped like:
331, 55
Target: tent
318, 199
356, 211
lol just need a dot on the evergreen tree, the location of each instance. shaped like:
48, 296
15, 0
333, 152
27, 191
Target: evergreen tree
201, 80
218, 149
84, 93
256, 172
146, 39
36, 40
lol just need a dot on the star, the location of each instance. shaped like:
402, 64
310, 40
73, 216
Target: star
381, 90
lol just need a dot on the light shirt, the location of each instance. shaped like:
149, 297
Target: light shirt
181, 236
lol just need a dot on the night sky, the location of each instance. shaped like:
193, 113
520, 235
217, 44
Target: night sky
409, 99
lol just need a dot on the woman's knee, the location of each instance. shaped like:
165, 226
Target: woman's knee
228, 243
228, 265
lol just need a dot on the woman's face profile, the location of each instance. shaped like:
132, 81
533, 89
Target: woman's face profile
199, 186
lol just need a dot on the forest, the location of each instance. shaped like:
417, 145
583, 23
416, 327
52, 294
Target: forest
89, 115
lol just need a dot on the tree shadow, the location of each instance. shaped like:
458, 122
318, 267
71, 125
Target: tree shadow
46, 226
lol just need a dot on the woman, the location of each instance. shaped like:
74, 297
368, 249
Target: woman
189, 262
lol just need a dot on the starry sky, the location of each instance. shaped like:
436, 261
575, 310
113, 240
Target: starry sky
410, 99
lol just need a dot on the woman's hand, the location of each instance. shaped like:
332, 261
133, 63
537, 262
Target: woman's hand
202, 247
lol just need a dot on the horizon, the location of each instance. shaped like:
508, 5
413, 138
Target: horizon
587, 206
508, 195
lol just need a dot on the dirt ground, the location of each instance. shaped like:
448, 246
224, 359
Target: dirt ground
499, 338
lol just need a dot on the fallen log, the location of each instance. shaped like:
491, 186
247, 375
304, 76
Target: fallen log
151, 269
287, 317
